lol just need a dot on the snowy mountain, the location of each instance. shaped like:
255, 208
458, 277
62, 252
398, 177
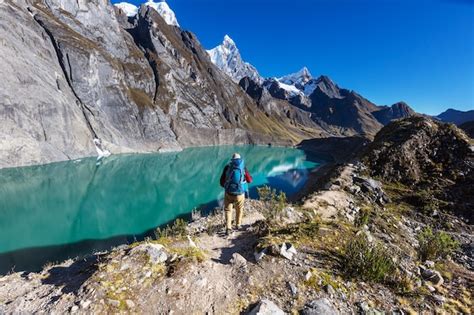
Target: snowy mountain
227, 58
129, 9
297, 79
161, 7
165, 11
298, 83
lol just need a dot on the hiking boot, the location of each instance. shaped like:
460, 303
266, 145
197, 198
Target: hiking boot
229, 232
240, 228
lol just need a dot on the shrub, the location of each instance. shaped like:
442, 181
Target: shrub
275, 203
433, 245
178, 229
367, 261
363, 216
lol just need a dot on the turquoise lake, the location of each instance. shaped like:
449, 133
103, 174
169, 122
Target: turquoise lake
68, 209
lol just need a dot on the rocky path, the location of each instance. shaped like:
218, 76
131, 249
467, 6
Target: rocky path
212, 285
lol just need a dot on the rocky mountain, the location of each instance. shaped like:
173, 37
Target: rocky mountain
456, 116
396, 111
77, 74
434, 157
337, 110
227, 57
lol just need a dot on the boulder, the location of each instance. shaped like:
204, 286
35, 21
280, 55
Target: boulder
431, 275
155, 252
319, 307
238, 261
259, 255
266, 307
287, 250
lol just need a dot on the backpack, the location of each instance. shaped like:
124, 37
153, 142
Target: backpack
235, 177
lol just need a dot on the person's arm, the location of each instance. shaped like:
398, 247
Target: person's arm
222, 180
248, 177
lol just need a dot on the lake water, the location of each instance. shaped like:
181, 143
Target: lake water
60, 210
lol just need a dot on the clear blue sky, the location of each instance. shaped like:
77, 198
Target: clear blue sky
418, 51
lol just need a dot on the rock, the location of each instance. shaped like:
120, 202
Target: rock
114, 303
238, 261
293, 288
365, 309
431, 275
191, 242
429, 264
85, 304
319, 307
266, 307
74, 308
130, 303
259, 255
287, 250
430, 288
329, 289
290, 215
156, 252
308, 276
439, 298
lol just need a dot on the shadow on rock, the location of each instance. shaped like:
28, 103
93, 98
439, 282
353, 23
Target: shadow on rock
72, 277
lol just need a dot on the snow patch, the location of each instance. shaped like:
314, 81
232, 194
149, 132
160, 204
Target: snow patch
164, 10
129, 9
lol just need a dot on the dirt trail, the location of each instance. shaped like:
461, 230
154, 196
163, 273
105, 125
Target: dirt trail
212, 285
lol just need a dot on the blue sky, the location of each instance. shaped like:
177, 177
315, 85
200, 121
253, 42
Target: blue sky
417, 51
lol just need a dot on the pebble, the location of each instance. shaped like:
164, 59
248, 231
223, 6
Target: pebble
130, 303
85, 304
329, 290
113, 302
293, 288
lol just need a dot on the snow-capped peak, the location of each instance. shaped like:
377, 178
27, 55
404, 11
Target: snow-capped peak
298, 78
128, 8
161, 7
227, 58
228, 41
164, 10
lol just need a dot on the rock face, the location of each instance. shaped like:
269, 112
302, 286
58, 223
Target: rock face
78, 71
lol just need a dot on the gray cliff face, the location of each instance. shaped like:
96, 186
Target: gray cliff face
74, 71
41, 118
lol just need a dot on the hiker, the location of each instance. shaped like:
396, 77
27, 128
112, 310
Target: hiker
235, 179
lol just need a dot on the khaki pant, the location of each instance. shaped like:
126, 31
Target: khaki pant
231, 201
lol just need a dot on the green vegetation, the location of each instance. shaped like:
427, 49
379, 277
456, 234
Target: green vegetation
433, 245
367, 261
363, 217
178, 229
189, 252
274, 202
